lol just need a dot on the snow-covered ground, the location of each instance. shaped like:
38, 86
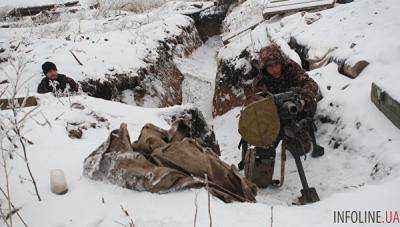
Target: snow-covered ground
83, 205
360, 170
103, 47
364, 134
199, 70
24, 3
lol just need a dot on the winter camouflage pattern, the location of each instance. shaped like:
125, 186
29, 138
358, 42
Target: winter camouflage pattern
293, 76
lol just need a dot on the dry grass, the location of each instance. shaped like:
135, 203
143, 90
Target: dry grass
136, 6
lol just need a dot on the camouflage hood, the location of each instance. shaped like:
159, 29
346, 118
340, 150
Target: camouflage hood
271, 53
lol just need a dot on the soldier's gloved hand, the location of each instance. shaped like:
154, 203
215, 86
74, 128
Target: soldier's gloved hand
308, 103
262, 94
303, 105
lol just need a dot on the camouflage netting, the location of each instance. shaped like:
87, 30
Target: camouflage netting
162, 161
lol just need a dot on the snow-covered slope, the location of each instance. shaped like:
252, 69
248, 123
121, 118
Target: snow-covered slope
83, 206
23, 3
121, 45
111, 53
361, 30
360, 143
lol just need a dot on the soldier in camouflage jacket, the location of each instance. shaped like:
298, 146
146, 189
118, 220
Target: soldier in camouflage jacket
279, 74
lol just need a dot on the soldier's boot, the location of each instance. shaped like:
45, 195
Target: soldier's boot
266, 156
243, 145
317, 150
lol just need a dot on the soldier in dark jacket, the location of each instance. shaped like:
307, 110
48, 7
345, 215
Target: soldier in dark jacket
54, 82
279, 74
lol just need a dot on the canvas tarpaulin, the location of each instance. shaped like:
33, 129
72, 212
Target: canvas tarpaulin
157, 163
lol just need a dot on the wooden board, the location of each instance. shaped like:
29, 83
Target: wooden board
33, 10
354, 70
290, 6
389, 106
225, 39
195, 8
30, 101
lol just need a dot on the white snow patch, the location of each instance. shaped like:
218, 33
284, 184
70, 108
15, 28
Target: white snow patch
200, 70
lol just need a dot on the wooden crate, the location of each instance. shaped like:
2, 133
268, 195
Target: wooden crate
389, 106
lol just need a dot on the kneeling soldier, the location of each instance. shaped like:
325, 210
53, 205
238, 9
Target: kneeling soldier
279, 74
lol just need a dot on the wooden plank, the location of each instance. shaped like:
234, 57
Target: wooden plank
272, 10
389, 106
290, 6
33, 10
354, 70
30, 101
226, 39
197, 8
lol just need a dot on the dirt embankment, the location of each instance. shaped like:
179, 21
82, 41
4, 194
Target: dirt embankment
160, 80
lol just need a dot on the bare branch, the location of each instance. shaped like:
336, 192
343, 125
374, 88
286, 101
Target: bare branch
131, 223
19, 67
27, 164
5, 168
196, 206
76, 58
208, 200
3, 216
